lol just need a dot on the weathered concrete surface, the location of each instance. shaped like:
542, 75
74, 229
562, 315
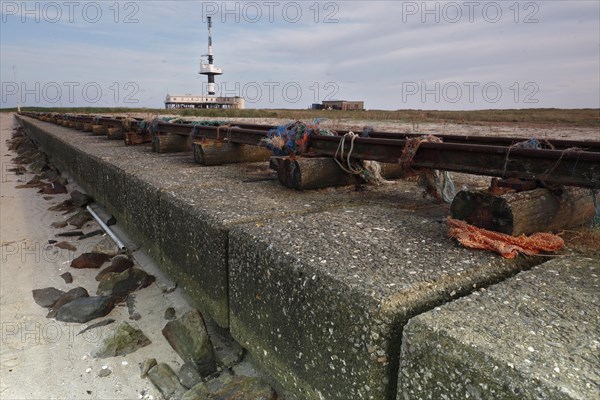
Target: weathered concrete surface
321, 299
181, 212
316, 285
536, 336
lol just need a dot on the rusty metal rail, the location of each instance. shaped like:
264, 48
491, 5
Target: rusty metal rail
141, 125
571, 163
484, 140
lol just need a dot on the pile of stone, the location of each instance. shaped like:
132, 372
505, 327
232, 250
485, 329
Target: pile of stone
207, 372
203, 375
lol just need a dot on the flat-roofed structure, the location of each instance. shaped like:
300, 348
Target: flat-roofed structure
343, 105
189, 101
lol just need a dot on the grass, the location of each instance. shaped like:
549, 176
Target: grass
588, 117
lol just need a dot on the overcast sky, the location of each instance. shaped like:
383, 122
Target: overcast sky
279, 54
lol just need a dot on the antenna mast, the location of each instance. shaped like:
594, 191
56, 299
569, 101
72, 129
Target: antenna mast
209, 69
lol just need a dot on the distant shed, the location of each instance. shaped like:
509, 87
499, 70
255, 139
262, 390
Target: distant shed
343, 105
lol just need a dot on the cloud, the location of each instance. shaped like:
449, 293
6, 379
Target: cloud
357, 50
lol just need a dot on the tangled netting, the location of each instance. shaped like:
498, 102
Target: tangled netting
505, 245
437, 183
150, 125
292, 139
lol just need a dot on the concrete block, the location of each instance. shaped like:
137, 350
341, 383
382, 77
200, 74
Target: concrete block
195, 251
534, 336
111, 189
142, 214
321, 299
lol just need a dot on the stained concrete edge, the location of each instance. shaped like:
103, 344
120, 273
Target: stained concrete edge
535, 336
322, 299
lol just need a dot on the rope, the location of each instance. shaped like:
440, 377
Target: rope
448, 190
369, 171
192, 136
527, 144
339, 154
412, 146
229, 128
437, 183
126, 123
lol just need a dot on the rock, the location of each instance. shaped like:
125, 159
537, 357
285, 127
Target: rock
79, 219
106, 246
67, 298
35, 182
189, 338
165, 380
84, 309
229, 387
67, 277
59, 225
118, 264
39, 163
198, 392
188, 376
70, 211
47, 297
19, 170
104, 372
90, 260
60, 179
134, 315
147, 366
168, 288
54, 188
52, 241
52, 174
120, 284
91, 234
244, 368
64, 206
227, 351
80, 199
126, 339
25, 157
70, 234
170, 314
66, 246
96, 325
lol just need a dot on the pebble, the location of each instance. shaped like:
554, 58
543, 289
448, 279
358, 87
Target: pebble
170, 314
67, 277
120, 285
90, 260
85, 309
147, 366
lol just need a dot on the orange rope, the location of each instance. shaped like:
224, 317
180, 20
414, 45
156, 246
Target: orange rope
505, 245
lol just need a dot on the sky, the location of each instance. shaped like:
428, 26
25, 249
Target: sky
444, 55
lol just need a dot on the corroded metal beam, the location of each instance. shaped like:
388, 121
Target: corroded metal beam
571, 163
